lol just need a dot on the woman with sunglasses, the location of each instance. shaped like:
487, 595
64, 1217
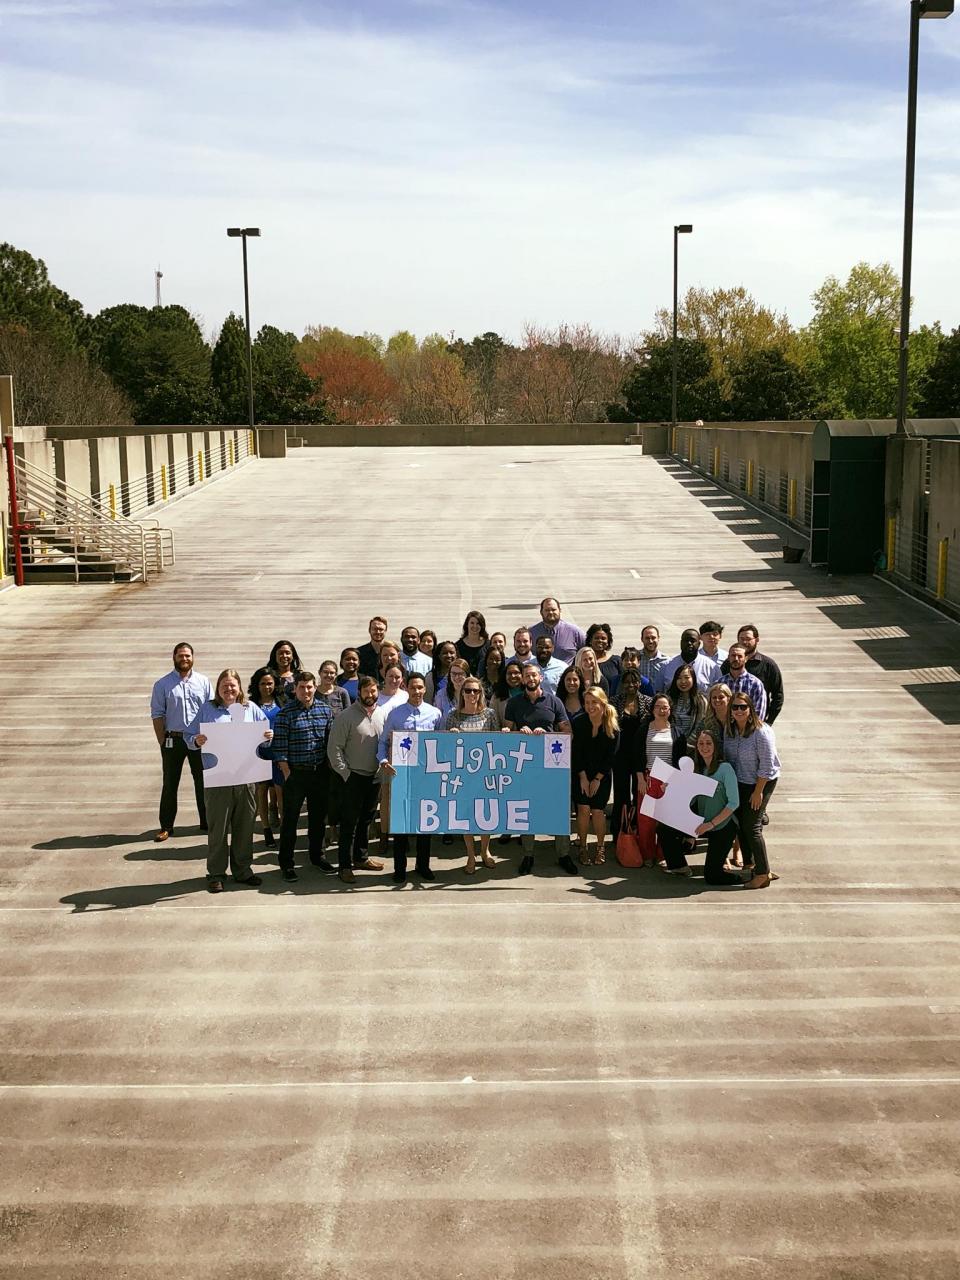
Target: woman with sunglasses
472, 715
750, 746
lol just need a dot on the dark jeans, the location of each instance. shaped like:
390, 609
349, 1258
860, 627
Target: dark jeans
172, 758
719, 843
310, 785
401, 846
751, 827
674, 846
358, 804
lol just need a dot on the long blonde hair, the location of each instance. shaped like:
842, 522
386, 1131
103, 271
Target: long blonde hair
610, 724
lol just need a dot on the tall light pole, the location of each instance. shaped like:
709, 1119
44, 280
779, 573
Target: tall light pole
243, 232
684, 228
918, 9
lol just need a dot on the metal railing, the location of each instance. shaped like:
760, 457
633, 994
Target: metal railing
53, 524
165, 482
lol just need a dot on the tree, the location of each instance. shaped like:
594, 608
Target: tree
730, 323
356, 387
432, 385
481, 359
228, 368
567, 374
768, 385
28, 299
323, 339
941, 390
646, 392
158, 357
57, 387
283, 391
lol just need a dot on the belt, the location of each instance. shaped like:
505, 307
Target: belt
174, 733
308, 768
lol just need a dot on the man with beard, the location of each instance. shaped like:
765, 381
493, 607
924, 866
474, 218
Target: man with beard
418, 715
174, 704
352, 752
764, 668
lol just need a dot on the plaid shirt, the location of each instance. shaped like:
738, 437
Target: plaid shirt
651, 667
300, 733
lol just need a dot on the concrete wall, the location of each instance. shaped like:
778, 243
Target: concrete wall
349, 435
944, 520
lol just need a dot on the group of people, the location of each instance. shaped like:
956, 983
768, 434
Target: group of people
328, 734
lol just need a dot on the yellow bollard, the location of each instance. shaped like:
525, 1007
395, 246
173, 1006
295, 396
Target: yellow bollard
200, 465
113, 502
252, 442
716, 459
792, 499
163, 481
891, 543
943, 548
230, 451
749, 477
673, 440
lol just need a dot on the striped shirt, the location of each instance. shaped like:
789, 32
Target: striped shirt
300, 734
651, 667
659, 745
754, 756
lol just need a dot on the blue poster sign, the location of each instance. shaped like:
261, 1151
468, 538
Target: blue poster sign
477, 783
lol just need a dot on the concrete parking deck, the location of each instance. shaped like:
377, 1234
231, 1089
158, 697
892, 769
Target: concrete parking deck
607, 1078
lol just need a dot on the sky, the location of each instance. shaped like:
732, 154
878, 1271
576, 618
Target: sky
462, 166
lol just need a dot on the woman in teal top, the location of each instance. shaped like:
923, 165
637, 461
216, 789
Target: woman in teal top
717, 810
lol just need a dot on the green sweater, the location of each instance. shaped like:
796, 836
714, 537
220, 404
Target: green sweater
727, 795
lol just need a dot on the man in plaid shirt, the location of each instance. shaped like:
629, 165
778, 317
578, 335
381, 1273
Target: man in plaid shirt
300, 734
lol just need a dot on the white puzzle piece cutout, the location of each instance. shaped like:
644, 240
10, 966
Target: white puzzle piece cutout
404, 748
233, 746
682, 785
556, 750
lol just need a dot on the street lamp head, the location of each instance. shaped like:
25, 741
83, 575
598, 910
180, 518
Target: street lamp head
936, 8
684, 228
243, 231
234, 231
251, 231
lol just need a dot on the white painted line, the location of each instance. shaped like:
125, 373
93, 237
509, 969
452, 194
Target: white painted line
741, 1082
634, 574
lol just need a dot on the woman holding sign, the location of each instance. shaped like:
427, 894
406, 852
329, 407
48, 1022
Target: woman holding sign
230, 810
596, 737
472, 715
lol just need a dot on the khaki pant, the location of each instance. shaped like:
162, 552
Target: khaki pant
230, 811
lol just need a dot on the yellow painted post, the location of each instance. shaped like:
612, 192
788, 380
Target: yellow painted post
673, 440
252, 445
163, 481
200, 465
942, 550
891, 543
113, 502
749, 476
792, 499
716, 459
230, 450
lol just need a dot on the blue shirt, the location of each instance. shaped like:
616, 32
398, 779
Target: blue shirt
300, 733
707, 672
350, 686
422, 663
651, 667
178, 701
567, 639
752, 687
419, 718
531, 657
551, 674
752, 757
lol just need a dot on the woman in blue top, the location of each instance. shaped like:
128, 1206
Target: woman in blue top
262, 691
717, 811
749, 745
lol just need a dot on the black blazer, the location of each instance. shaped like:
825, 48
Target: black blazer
640, 745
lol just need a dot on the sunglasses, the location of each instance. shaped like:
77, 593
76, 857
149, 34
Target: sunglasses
468, 688
739, 706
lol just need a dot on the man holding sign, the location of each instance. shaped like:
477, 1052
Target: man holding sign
417, 715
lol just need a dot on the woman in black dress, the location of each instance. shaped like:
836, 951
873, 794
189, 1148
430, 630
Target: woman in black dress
632, 707
600, 640
474, 641
594, 746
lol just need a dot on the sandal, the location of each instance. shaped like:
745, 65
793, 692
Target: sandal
471, 868
583, 855
488, 861
600, 856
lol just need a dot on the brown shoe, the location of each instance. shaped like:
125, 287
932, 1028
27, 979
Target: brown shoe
214, 886
758, 882
368, 864
347, 876
161, 836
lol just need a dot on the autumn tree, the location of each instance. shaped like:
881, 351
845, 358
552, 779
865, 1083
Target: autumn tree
567, 374
57, 387
432, 384
356, 388
730, 323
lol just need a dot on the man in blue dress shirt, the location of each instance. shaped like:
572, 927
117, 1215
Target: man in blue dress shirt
174, 703
706, 669
421, 716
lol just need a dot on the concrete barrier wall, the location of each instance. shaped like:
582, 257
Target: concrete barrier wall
653, 436
943, 535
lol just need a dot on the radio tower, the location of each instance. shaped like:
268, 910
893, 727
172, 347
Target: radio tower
157, 277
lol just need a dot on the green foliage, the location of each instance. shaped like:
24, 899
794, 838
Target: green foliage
158, 358
283, 392
27, 298
940, 397
646, 390
768, 385
482, 359
228, 368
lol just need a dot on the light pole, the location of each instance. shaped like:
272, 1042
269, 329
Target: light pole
684, 228
243, 232
918, 9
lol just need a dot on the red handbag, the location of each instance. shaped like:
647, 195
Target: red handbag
629, 853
